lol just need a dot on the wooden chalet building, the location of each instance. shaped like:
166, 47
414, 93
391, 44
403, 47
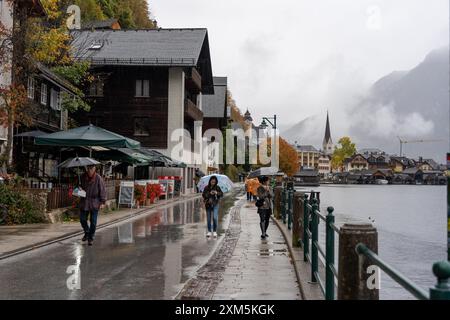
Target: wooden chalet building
149, 83
214, 106
216, 116
356, 162
45, 91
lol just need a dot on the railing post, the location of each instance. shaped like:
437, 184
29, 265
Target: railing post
314, 242
290, 205
354, 273
442, 289
305, 228
297, 223
277, 202
283, 205
329, 255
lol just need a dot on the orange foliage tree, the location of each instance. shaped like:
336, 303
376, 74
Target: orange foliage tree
288, 156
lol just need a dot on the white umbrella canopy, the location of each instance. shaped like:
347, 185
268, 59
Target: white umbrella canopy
78, 162
224, 182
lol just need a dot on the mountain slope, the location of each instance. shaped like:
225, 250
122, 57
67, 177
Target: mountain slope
411, 104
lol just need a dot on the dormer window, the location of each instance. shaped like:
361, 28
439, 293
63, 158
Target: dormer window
96, 45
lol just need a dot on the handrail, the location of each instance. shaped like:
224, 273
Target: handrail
314, 253
405, 282
311, 219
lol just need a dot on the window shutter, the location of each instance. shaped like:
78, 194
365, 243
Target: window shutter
146, 92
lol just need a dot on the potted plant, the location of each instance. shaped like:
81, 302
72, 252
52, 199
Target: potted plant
153, 192
139, 195
148, 200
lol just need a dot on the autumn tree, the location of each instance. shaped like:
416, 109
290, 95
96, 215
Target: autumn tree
131, 14
236, 114
345, 149
289, 162
91, 10
13, 111
287, 155
34, 40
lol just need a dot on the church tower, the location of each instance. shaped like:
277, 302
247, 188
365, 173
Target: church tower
327, 142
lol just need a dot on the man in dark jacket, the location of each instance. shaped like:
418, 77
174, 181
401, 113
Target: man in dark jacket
95, 199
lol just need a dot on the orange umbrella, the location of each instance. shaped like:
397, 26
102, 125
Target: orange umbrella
252, 185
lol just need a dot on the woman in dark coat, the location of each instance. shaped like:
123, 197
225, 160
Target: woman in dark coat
211, 196
264, 203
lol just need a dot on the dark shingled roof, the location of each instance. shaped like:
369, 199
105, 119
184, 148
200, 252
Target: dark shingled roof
149, 47
306, 148
101, 24
214, 105
55, 79
171, 47
411, 171
307, 173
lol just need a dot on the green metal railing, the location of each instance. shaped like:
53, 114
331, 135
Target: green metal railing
312, 217
287, 196
312, 250
440, 269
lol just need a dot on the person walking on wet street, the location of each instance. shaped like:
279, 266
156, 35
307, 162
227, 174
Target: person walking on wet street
211, 196
264, 204
95, 199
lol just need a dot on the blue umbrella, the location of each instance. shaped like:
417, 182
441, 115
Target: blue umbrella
223, 182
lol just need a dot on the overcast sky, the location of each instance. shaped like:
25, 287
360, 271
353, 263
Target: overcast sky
298, 58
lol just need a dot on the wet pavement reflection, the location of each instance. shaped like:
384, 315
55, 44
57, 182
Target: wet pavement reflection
150, 257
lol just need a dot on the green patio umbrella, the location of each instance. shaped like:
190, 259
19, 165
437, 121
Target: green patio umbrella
131, 156
163, 159
87, 136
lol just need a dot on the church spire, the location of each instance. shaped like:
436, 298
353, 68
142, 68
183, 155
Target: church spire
327, 138
327, 142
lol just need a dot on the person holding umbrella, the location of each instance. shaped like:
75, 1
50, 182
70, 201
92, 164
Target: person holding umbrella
94, 186
211, 196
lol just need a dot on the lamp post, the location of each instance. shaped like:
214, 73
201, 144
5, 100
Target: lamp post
273, 122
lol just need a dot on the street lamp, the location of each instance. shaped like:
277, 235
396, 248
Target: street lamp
263, 126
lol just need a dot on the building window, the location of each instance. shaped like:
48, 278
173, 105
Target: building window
43, 94
142, 88
141, 126
55, 101
96, 88
30, 88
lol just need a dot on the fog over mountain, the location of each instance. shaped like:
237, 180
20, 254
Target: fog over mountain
412, 104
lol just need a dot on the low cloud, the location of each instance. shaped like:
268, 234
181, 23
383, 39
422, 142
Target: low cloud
382, 121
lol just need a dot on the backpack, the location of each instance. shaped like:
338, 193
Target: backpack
259, 202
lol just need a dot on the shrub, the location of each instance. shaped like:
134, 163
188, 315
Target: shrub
20, 209
232, 172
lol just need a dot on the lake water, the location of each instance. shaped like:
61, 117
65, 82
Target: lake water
411, 223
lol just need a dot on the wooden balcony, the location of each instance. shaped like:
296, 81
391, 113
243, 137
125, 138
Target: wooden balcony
191, 111
193, 80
